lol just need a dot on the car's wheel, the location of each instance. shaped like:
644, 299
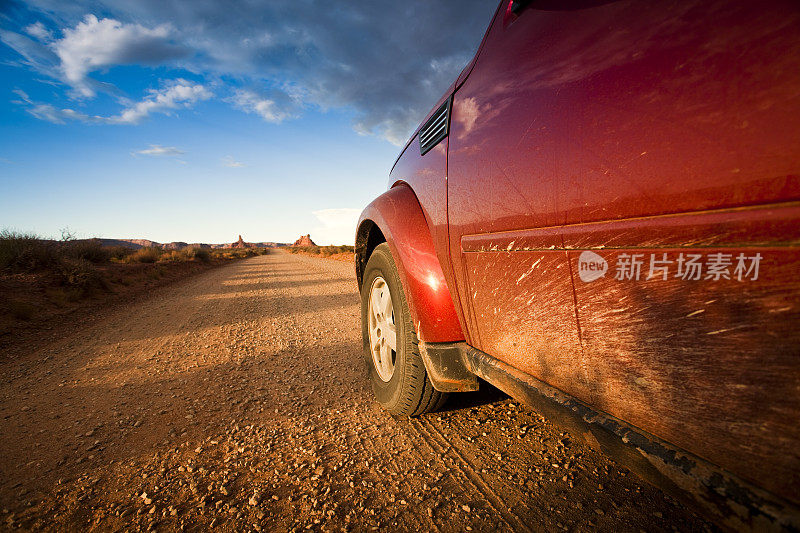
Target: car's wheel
391, 348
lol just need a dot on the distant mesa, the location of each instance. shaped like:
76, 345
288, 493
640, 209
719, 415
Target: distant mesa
305, 240
175, 245
135, 244
143, 243
241, 244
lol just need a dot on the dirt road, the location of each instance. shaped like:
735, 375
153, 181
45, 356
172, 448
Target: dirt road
237, 399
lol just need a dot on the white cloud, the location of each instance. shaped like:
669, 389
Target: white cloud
338, 225
266, 108
177, 94
35, 55
48, 112
58, 116
180, 93
25, 99
95, 44
156, 150
229, 161
38, 30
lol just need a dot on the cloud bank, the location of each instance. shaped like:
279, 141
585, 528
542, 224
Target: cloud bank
386, 61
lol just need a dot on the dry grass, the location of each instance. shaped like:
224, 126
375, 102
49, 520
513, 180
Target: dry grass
38, 275
62, 296
338, 253
237, 253
324, 251
24, 252
27, 253
191, 253
144, 255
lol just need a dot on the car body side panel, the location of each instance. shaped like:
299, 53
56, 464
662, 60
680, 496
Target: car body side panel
672, 150
533, 326
397, 213
630, 128
689, 108
708, 361
502, 175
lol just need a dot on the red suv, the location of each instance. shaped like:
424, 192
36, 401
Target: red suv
601, 217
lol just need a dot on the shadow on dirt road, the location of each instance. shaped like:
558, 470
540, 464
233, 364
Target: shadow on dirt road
237, 399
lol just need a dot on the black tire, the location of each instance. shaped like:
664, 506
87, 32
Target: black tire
409, 392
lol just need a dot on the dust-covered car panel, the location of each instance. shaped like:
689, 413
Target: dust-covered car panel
615, 207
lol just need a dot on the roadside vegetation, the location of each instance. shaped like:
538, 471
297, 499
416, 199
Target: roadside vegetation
40, 276
205, 255
22, 253
340, 253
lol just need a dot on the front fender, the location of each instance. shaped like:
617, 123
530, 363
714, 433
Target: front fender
399, 217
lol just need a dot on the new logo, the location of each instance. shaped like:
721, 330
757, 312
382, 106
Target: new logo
591, 266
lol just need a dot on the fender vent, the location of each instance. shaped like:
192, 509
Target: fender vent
435, 129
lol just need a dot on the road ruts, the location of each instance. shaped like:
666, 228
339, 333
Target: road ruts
237, 400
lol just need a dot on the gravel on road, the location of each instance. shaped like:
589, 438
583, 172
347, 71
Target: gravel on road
238, 400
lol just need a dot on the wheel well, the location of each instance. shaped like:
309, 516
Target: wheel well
368, 237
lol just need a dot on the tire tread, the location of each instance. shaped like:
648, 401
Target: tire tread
417, 395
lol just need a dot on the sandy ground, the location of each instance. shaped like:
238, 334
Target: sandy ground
237, 399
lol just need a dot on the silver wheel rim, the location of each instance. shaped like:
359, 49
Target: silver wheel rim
382, 331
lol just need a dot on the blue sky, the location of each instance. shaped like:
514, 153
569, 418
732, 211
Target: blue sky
196, 121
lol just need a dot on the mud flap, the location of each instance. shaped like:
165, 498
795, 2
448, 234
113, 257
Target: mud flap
447, 370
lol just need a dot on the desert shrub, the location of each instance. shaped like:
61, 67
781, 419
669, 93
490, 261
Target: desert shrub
173, 256
145, 255
331, 250
201, 254
324, 251
235, 253
90, 250
24, 252
186, 254
80, 274
119, 253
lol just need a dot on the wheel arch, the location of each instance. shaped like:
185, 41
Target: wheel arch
396, 217
368, 236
